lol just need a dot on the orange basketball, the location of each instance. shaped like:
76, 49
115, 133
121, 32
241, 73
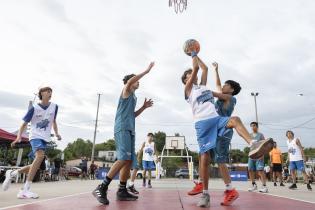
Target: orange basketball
191, 45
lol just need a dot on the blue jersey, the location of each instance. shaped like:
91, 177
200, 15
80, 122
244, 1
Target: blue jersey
125, 114
226, 111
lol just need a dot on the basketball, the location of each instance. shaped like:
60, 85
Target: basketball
191, 45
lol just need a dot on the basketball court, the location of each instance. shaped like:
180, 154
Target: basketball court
165, 194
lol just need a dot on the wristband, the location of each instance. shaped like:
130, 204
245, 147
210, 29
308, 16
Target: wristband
193, 54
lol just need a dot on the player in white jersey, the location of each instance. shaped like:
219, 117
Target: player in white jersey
296, 158
148, 150
42, 118
209, 125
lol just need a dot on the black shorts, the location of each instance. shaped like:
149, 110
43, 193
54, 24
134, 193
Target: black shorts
277, 167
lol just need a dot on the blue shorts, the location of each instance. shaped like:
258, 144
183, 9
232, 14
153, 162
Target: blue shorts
208, 131
148, 165
125, 146
38, 144
220, 154
256, 165
297, 165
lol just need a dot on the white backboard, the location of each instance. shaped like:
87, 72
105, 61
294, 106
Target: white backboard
175, 142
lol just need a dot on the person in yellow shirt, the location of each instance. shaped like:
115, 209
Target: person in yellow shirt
276, 164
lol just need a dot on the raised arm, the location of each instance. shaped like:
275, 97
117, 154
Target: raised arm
193, 77
133, 80
204, 75
146, 104
217, 77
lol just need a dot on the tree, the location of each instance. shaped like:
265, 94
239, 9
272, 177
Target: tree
78, 149
159, 140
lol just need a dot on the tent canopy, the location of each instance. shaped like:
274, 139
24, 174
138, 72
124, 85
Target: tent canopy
6, 138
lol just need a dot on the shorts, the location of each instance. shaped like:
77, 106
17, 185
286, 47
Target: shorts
125, 146
277, 167
148, 165
38, 144
220, 154
84, 169
297, 165
208, 131
256, 165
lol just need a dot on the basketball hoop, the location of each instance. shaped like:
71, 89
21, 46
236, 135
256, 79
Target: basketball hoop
179, 5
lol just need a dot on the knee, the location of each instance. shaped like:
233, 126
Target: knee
235, 119
40, 154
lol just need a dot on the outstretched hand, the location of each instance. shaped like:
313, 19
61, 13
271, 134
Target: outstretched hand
215, 65
150, 67
147, 103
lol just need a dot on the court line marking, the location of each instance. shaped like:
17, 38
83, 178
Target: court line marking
49, 199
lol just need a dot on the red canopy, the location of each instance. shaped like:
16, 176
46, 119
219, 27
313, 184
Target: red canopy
6, 136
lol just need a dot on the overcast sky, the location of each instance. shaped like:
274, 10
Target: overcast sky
81, 48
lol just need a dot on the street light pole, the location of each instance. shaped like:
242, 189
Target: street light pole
95, 129
255, 95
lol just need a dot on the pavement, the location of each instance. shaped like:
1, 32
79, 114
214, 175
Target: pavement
171, 193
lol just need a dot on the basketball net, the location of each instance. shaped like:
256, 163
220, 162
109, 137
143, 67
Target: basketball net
179, 5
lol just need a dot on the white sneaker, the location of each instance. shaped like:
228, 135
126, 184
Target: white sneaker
204, 201
253, 188
8, 179
24, 194
264, 189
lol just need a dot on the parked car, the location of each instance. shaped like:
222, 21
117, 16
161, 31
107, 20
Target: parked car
74, 171
140, 172
184, 173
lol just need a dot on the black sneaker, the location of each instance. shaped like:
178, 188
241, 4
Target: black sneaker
260, 148
124, 195
309, 186
281, 184
293, 186
132, 189
275, 184
100, 193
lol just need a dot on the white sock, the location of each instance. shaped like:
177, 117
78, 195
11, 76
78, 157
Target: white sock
229, 186
205, 192
14, 173
27, 185
131, 183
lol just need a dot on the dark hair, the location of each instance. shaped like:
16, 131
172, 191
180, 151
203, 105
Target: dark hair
254, 123
43, 89
188, 71
289, 132
128, 77
235, 86
150, 134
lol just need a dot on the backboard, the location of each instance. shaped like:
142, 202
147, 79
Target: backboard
175, 142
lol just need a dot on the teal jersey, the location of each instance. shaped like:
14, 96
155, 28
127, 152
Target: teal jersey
125, 114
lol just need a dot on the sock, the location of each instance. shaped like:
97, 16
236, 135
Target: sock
199, 181
27, 185
229, 187
149, 182
205, 192
253, 183
107, 181
14, 173
264, 185
144, 180
131, 184
122, 185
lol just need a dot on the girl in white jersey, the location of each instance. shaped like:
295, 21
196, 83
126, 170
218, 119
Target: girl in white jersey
297, 158
149, 151
209, 125
42, 118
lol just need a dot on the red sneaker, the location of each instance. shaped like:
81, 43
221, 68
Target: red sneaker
229, 197
197, 189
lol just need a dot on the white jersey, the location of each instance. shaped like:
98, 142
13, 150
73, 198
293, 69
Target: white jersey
41, 122
294, 151
148, 151
202, 103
